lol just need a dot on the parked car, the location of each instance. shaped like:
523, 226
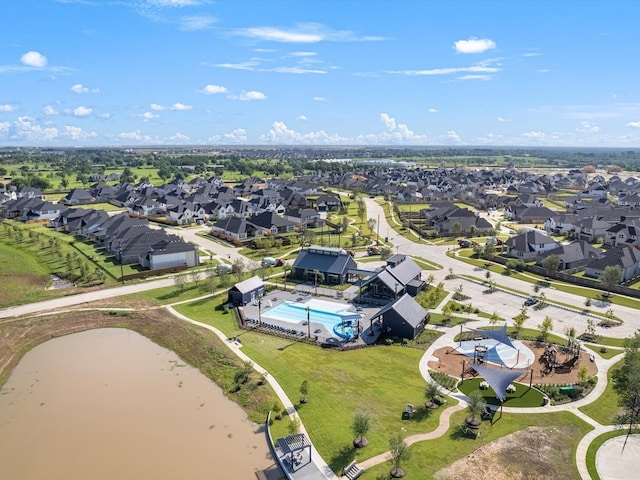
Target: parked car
530, 301
269, 262
223, 268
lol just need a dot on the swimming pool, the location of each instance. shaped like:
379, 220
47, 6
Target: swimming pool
335, 317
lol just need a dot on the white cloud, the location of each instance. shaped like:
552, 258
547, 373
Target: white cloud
475, 77
474, 45
238, 135
197, 22
179, 137
248, 65
175, 3
398, 132
25, 128
588, 127
319, 99
104, 116
282, 134
4, 127
146, 116
531, 54
249, 96
213, 90
502, 119
301, 117
34, 59
452, 135
82, 111
79, 89
181, 106
634, 124
49, 110
130, 135
304, 33
296, 70
534, 135
7, 107
479, 69
77, 133
157, 107
303, 54
433, 110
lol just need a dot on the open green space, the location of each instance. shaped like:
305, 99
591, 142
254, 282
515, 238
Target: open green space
597, 442
379, 381
605, 408
430, 456
523, 397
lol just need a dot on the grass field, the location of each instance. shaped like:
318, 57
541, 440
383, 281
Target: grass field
606, 407
379, 381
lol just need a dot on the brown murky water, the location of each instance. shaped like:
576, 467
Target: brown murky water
110, 404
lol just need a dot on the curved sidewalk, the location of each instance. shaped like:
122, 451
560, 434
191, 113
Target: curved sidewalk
288, 405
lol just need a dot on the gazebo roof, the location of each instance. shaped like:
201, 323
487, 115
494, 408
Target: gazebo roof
499, 334
497, 378
293, 443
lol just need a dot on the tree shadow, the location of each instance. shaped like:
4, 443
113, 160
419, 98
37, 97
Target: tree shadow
344, 456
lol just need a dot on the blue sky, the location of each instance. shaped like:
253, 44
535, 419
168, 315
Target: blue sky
320, 72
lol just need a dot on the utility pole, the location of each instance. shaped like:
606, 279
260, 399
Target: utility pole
378, 237
121, 267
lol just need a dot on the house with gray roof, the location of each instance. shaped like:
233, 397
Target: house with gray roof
403, 318
400, 276
333, 263
573, 255
246, 291
627, 258
529, 245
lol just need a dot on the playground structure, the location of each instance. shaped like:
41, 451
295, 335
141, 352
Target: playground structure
559, 359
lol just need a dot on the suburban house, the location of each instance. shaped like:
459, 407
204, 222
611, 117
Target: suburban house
400, 276
403, 317
78, 196
268, 223
170, 254
591, 229
332, 263
328, 203
573, 255
246, 291
627, 258
561, 223
530, 244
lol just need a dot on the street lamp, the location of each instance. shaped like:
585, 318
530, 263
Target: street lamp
121, 267
260, 310
308, 309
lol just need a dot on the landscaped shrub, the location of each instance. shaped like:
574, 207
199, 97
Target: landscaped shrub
444, 380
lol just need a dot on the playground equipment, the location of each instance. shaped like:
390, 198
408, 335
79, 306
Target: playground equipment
559, 359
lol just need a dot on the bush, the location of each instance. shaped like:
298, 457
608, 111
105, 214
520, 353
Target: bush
444, 380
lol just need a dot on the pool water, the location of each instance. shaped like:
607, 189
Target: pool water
331, 315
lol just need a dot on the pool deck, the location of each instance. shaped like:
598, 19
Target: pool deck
315, 330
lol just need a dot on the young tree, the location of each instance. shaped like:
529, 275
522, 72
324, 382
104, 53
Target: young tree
611, 276
432, 392
494, 318
194, 276
304, 391
545, 327
626, 382
551, 263
475, 407
360, 427
399, 453
180, 281
239, 267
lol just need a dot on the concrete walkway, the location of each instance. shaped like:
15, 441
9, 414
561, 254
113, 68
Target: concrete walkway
236, 348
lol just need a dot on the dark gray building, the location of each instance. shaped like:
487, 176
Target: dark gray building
246, 291
400, 276
403, 318
332, 263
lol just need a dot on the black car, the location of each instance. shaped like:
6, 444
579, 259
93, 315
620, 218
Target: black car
530, 301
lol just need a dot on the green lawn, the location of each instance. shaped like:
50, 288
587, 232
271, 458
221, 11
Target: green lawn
523, 397
605, 408
597, 442
430, 456
379, 381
